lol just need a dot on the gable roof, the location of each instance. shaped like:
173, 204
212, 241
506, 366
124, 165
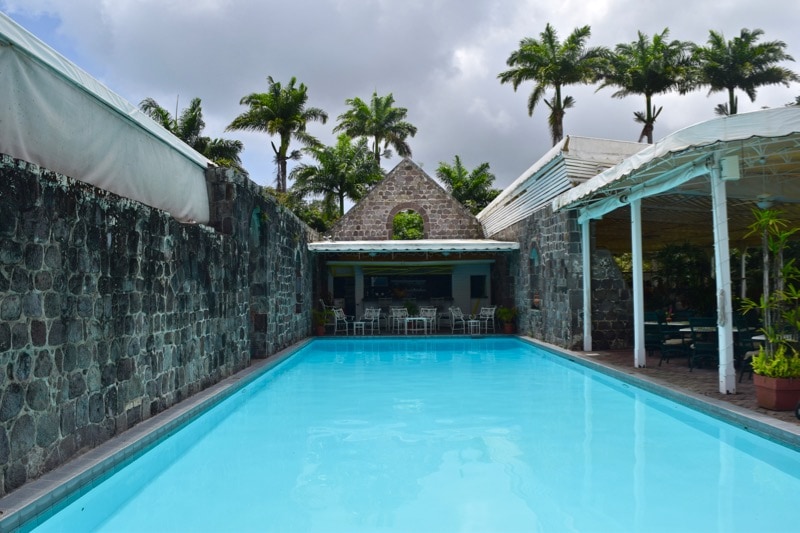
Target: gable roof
407, 187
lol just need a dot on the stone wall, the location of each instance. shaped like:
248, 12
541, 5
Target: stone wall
111, 311
407, 186
550, 265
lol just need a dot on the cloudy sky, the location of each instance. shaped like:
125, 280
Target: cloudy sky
439, 58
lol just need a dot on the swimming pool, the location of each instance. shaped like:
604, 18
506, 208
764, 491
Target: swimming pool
445, 434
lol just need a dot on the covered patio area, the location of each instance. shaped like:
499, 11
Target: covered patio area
384, 273
699, 185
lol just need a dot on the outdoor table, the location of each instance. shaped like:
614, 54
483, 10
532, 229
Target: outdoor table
706, 329
673, 324
474, 326
415, 321
761, 337
359, 325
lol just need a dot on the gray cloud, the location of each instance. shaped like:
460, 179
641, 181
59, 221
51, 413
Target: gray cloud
440, 59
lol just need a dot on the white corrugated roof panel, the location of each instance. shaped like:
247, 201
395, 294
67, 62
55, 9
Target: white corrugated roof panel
573, 160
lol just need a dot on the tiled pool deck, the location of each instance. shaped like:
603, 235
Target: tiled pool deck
700, 381
700, 385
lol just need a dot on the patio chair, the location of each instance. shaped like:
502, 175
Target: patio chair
657, 336
397, 318
341, 321
744, 347
372, 317
457, 320
704, 345
431, 315
486, 316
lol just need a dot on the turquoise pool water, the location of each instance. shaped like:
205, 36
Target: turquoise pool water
436, 435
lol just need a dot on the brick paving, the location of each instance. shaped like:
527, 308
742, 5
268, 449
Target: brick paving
701, 381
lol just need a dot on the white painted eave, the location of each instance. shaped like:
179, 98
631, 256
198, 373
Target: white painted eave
427, 245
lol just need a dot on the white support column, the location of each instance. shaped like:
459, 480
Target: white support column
722, 267
586, 254
639, 354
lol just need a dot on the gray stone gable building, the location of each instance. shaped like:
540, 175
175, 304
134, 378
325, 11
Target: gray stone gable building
406, 187
359, 265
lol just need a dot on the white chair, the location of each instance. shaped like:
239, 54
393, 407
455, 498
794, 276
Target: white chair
429, 313
397, 318
457, 320
372, 317
341, 321
486, 316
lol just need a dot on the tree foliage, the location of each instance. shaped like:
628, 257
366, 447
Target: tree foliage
280, 111
379, 121
408, 225
313, 213
648, 66
740, 63
553, 64
189, 126
471, 188
345, 170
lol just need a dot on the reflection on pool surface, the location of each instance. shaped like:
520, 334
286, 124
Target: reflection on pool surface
445, 434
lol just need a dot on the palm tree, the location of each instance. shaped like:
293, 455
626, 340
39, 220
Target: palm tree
346, 170
473, 189
380, 121
741, 63
188, 127
649, 67
280, 111
550, 63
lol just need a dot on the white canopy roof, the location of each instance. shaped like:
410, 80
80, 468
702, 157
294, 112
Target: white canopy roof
393, 246
683, 148
55, 115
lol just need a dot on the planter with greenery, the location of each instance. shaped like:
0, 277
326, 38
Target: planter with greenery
411, 307
321, 319
776, 367
506, 315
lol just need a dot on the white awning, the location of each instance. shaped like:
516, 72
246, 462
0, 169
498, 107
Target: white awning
55, 115
682, 146
430, 245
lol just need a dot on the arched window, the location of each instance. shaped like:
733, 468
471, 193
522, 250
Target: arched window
408, 225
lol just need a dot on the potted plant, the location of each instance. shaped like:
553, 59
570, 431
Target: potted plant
506, 315
411, 307
776, 377
776, 367
321, 319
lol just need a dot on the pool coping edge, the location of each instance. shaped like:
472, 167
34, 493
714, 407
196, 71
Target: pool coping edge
23, 505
